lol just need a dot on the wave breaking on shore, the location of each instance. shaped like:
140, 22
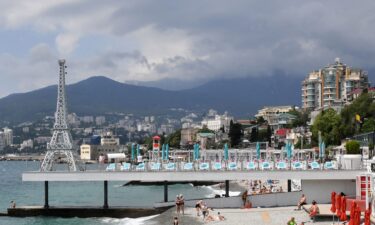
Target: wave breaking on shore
128, 221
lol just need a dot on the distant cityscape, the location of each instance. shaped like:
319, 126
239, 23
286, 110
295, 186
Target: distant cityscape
332, 87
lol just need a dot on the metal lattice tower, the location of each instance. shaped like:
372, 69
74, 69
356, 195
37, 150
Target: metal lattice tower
61, 143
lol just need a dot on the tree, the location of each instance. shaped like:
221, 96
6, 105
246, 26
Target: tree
368, 125
205, 130
352, 147
328, 122
362, 106
302, 118
254, 134
260, 120
235, 133
174, 139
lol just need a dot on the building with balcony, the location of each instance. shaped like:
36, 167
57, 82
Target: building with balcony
271, 113
331, 86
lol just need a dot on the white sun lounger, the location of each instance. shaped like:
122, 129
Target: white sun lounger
251, 165
315, 165
297, 165
204, 166
155, 166
232, 166
281, 165
171, 166
266, 166
111, 167
188, 166
140, 167
125, 166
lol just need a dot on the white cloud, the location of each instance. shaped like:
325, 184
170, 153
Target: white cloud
194, 40
66, 43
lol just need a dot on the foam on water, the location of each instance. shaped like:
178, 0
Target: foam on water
128, 221
219, 192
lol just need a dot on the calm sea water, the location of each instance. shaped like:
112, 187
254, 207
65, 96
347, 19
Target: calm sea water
80, 194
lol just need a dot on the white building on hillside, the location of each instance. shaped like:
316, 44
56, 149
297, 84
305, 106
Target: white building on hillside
218, 122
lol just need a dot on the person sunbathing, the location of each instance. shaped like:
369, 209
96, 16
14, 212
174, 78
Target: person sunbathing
314, 210
220, 217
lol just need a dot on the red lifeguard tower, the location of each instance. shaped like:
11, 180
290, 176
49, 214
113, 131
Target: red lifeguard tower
155, 147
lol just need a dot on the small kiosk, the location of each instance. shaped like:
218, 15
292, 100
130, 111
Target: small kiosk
155, 148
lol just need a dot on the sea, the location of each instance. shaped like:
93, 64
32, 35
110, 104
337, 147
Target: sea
83, 194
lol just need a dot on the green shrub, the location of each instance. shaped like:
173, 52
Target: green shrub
352, 147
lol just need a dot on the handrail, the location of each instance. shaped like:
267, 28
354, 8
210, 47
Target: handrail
228, 165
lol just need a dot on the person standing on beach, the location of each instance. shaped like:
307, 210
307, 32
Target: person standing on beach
244, 198
177, 202
182, 204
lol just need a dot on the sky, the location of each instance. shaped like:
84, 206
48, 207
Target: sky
190, 41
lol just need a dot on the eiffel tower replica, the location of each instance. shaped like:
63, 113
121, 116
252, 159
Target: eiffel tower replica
61, 143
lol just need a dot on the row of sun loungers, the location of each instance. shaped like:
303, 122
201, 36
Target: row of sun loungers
219, 166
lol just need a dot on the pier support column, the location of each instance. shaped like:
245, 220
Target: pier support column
227, 188
105, 205
289, 185
46, 206
165, 191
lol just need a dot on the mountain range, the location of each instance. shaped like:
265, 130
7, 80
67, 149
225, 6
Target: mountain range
241, 97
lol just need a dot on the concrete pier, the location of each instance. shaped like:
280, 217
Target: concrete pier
46, 205
83, 212
105, 205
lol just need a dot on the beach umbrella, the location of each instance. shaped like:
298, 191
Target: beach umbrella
257, 147
162, 151
133, 151
138, 150
198, 151
352, 212
289, 150
358, 216
367, 217
195, 151
343, 209
166, 151
338, 206
322, 148
333, 205
226, 152
333, 202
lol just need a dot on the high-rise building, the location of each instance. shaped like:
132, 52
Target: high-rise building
330, 87
8, 136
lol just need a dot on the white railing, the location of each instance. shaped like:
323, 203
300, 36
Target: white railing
245, 165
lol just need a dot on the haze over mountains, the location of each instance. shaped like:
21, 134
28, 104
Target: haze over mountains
99, 95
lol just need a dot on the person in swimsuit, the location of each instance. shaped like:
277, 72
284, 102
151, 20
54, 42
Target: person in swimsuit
301, 202
182, 204
177, 202
198, 207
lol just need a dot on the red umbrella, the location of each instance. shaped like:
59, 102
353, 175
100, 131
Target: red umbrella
343, 209
367, 217
352, 212
358, 216
338, 205
333, 202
